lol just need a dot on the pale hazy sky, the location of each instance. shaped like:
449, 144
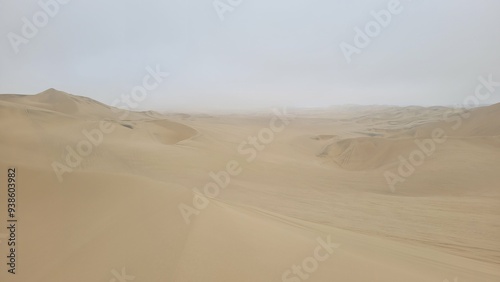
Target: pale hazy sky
264, 52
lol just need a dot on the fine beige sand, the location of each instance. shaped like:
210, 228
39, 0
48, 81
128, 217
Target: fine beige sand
321, 176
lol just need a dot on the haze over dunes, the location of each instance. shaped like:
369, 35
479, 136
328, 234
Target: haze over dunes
321, 177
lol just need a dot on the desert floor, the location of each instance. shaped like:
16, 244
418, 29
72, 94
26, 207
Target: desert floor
336, 194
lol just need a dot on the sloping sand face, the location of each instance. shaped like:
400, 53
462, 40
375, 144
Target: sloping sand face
345, 194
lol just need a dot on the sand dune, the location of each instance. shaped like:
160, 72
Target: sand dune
315, 196
469, 123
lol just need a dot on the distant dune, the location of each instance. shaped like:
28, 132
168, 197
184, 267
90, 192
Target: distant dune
102, 191
359, 153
